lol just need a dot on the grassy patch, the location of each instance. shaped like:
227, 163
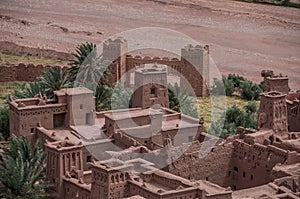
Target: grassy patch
10, 58
206, 104
8, 88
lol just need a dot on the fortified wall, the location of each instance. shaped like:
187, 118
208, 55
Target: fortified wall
21, 72
193, 65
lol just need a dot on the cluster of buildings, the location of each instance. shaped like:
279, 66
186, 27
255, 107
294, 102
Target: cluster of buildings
150, 151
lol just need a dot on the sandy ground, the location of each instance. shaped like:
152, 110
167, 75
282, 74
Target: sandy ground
244, 38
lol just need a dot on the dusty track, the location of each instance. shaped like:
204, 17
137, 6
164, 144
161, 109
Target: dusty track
245, 38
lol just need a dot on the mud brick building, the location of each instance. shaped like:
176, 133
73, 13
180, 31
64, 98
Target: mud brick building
153, 152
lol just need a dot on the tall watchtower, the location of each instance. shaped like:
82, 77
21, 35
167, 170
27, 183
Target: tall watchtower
273, 112
195, 68
62, 157
107, 182
150, 86
116, 51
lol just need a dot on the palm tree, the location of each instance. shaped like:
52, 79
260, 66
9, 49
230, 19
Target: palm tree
93, 71
181, 102
88, 69
22, 171
53, 79
81, 53
102, 98
29, 90
121, 98
4, 122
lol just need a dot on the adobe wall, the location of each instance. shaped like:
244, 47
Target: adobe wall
21, 72
251, 164
136, 189
213, 167
75, 190
124, 141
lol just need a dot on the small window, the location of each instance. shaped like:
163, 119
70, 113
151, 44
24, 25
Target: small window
81, 106
236, 169
152, 91
32, 130
190, 138
206, 178
251, 177
89, 158
244, 174
229, 173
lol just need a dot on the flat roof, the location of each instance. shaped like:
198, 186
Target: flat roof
73, 91
126, 114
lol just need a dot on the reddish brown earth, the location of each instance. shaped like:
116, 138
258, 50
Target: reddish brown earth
245, 38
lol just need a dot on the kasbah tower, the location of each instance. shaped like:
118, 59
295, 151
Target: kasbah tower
193, 65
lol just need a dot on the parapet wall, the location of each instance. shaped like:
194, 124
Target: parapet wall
131, 62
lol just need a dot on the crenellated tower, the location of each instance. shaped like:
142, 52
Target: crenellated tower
195, 68
116, 51
273, 112
107, 182
62, 157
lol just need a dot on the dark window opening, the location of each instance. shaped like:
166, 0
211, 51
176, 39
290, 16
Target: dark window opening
81, 106
206, 178
229, 173
271, 138
244, 174
89, 158
251, 177
152, 91
73, 159
31, 130
59, 120
236, 169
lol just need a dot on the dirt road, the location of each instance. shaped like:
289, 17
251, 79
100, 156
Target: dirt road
245, 38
